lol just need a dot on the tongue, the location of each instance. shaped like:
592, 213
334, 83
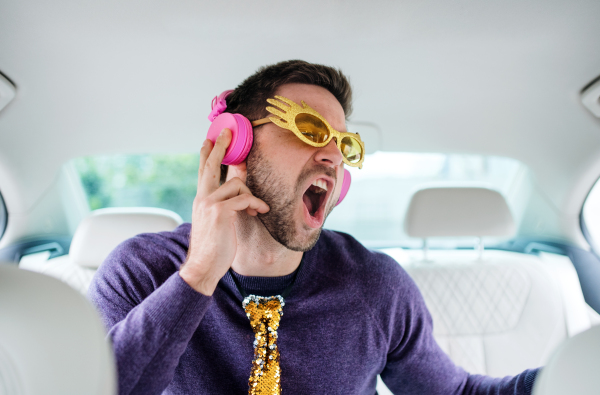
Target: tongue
308, 202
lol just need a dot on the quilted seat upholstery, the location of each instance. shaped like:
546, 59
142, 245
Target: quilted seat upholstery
497, 316
494, 312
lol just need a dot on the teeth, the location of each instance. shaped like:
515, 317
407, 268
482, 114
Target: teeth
320, 183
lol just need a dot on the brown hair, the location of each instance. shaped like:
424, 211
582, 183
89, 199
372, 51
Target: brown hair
250, 97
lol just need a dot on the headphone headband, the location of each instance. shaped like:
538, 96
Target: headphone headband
219, 105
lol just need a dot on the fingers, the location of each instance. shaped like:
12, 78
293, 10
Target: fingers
279, 105
233, 195
230, 189
246, 202
204, 152
251, 212
276, 111
210, 176
285, 100
234, 188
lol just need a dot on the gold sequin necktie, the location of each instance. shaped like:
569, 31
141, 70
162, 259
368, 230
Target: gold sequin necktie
264, 314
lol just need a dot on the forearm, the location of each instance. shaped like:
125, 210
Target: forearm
419, 366
149, 341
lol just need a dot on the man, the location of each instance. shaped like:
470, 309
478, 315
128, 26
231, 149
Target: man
179, 304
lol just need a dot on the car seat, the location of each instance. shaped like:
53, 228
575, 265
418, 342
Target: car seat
97, 235
574, 367
51, 339
494, 312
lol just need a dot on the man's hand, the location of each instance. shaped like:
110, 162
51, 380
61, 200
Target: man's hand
213, 241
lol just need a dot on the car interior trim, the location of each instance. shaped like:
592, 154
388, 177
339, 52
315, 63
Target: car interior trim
3, 216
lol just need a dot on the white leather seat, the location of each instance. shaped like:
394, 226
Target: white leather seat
500, 312
497, 316
51, 339
97, 235
574, 367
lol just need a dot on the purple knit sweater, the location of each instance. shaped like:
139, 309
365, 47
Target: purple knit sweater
351, 315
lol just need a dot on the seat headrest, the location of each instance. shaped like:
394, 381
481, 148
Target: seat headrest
574, 367
52, 340
458, 212
100, 232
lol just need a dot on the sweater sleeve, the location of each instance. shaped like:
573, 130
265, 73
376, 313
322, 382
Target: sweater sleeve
415, 362
151, 314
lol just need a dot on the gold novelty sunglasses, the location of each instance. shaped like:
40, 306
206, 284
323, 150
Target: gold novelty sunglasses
310, 127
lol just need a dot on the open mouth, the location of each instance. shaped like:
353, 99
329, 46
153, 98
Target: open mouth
314, 199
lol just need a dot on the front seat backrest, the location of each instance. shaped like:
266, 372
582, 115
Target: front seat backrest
574, 367
51, 339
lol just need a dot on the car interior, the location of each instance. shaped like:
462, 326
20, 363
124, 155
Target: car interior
481, 123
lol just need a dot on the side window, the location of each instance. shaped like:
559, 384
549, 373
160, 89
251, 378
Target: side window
3, 216
591, 216
157, 180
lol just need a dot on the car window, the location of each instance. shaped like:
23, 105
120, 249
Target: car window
159, 180
373, 211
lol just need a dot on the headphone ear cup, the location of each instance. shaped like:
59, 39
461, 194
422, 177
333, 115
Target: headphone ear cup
241, 136
345, 186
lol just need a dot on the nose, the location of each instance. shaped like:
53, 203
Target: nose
329, 155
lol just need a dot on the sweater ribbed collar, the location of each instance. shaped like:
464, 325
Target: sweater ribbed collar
262, 286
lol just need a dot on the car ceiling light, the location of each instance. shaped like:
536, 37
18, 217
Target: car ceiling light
591, 97
7, 91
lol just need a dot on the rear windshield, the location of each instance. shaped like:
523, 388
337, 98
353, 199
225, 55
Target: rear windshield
373, 210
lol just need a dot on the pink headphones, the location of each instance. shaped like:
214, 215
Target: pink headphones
241, 136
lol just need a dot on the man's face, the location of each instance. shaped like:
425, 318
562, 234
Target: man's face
300, 183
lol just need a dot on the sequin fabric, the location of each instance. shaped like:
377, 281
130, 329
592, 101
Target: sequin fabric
264, 314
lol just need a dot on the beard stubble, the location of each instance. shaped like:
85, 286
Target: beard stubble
266, 184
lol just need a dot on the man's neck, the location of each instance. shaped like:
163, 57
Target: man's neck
258, 254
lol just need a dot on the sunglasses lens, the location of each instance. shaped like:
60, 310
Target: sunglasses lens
351, 149
312, 128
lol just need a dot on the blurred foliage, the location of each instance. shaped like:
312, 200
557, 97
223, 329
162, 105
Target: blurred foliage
159, 180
